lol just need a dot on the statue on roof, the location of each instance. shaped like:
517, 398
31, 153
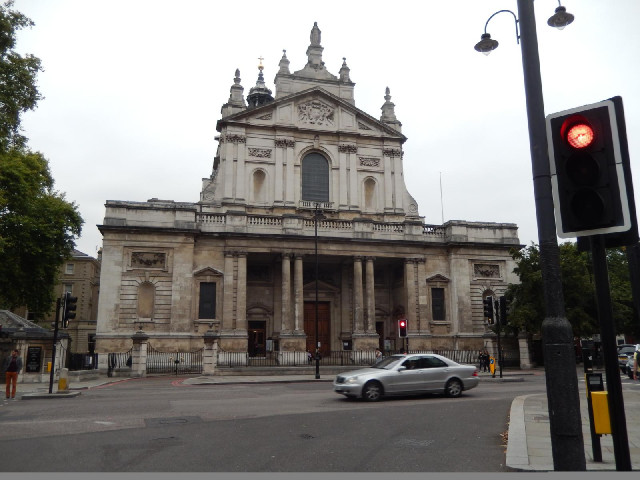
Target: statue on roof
315, 34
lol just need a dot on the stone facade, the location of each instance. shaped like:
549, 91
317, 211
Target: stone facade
301, 181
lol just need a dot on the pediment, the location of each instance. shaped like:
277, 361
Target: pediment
323, 286
207, 271
438, 278
314, 109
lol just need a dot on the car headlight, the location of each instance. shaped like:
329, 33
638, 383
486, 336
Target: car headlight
352, 380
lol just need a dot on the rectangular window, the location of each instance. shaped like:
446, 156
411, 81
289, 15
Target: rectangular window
437, 303
68, 287
207, 306
69, 269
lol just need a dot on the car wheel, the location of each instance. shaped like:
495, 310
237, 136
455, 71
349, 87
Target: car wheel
372, 391
453, 388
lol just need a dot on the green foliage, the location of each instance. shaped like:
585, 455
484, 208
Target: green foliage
37, 225
527, 308
37, 231
18, 89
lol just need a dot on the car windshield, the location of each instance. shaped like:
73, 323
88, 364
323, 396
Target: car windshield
389, 362
626, 350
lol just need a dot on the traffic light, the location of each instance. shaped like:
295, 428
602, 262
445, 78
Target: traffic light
488, 309
68, 309
503, 310
402, 327
590, 172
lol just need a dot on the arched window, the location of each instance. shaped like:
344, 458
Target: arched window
146, 299
370, 194
259, 188
315, 178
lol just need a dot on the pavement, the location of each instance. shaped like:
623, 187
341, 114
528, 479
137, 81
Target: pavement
529, 438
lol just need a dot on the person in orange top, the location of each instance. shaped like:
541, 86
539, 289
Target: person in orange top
12, 366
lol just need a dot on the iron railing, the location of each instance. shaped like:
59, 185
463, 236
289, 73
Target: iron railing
344, 358
174, 362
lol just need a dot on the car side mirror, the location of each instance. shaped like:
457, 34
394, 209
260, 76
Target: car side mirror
401, 368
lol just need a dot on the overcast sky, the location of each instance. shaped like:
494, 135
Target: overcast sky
133, 90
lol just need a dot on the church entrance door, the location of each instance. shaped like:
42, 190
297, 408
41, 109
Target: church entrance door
324, 326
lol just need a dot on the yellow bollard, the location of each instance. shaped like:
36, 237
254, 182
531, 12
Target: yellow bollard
62, 381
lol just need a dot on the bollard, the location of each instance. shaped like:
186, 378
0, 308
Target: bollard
63, 380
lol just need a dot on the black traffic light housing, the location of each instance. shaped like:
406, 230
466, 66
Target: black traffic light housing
591, 174
503, 310
487, 304
402, 328
68, 309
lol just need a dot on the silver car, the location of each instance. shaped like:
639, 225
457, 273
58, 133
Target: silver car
405, 375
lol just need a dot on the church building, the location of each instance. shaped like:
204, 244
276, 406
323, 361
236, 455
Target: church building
304, 223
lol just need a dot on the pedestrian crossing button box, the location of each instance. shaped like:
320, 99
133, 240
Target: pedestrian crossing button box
594, 382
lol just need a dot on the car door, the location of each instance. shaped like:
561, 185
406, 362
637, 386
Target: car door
407, 379
435, 373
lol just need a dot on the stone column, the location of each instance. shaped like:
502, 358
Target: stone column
358, 314
210, 355
228, 320
241, 292
423, 294
139, 354
525, 355
298, 294
410, 289
370, 295
286, 293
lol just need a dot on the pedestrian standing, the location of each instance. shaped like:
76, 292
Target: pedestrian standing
12, 366
485, 356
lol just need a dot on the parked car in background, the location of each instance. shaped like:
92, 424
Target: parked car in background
625, 351
406, 375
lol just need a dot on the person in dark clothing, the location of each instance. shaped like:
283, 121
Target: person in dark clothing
12, 366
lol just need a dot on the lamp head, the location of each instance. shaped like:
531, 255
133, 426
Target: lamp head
486, 44
560, 19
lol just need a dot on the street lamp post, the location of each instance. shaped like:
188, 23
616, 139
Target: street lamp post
317, 216
567, 442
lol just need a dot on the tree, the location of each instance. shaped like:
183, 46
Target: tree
18, 89
527, 302
38, 226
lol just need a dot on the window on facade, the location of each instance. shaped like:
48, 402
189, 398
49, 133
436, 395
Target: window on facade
69, 268
68, 287
207, 304
146, 300
315, 178
437, 303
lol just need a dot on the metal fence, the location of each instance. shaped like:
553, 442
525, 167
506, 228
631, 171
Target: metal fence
118, 362
344, 358
174, 362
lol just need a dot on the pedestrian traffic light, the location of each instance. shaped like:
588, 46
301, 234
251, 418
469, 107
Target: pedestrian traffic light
68, 309
590, 172
488, 309
402, 327
503, 310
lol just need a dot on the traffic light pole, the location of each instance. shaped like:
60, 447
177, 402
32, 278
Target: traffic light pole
608, 335
53, 351
565, 422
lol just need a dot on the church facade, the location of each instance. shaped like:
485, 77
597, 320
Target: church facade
305, 216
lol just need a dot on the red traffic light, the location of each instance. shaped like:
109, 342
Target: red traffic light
402, 324
580, 135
